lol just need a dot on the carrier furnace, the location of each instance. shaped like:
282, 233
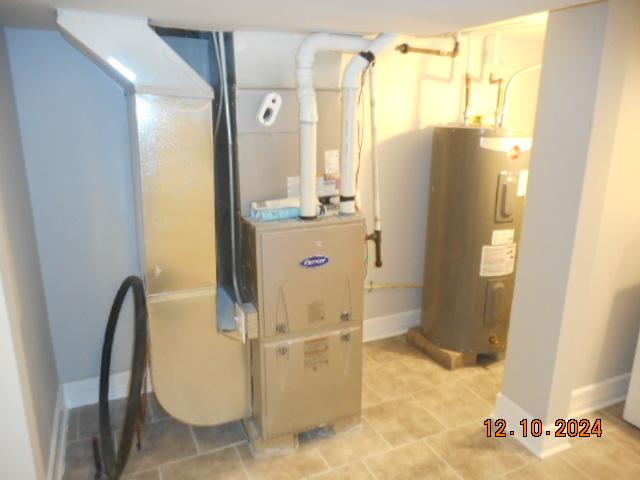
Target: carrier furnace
476, 201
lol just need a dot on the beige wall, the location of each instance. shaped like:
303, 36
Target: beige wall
22, 284
415, 92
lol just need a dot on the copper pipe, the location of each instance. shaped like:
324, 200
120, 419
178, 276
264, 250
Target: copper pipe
406, 48
500, 99
467, 97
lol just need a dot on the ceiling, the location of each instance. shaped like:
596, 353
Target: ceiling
417, 17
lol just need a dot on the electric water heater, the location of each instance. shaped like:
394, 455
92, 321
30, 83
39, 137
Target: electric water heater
476, 201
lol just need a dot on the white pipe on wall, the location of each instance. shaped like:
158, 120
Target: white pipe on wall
309, 109
530, 68
377, 220
350, 87
371, 286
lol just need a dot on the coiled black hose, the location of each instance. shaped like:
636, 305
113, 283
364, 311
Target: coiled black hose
113, 462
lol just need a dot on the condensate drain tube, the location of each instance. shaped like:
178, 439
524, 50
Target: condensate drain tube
377, 220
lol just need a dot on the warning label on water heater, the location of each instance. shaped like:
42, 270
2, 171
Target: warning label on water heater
502, 237
497, 260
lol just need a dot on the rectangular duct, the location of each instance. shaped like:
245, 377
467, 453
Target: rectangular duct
199, 375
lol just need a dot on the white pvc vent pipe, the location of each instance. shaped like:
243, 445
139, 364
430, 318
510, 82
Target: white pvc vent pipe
309, 109
351, 83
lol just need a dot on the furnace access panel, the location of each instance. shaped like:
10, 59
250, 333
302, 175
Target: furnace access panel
306, 280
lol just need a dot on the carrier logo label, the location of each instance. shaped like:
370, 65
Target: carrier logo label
314, 261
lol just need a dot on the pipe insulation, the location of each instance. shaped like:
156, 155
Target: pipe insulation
309, 109
350, 86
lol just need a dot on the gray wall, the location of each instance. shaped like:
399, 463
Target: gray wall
73, 119
265, 62
415, 92
74, 123
22, 288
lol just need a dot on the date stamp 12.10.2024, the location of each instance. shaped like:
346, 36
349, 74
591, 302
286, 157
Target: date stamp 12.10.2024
498, 428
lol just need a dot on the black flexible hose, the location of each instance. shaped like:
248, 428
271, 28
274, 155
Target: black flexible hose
113, 463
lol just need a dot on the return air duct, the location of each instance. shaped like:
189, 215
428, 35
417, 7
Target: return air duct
199, 375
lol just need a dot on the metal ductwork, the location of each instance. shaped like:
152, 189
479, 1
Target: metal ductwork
199, 375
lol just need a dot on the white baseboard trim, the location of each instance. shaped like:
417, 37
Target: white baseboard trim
386, 326
85, 392
55, 464
541, 447
598, 395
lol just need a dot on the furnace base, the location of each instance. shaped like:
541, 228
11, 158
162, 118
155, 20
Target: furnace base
288, 443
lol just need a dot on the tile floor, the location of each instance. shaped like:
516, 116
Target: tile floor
419, 421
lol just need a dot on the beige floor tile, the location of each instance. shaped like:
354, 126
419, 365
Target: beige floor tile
164, 441
402, 420
211, 438
78, 464
615, 411
625, 434
369, 397
391, 349
486, 384
436, 374
553, 468
349, 446
604, 459
414, 461
608, 423
368, 362
393, 380
355, 471
454, 404
89, 418
474, 456
301, 464
148, 475
220, 465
